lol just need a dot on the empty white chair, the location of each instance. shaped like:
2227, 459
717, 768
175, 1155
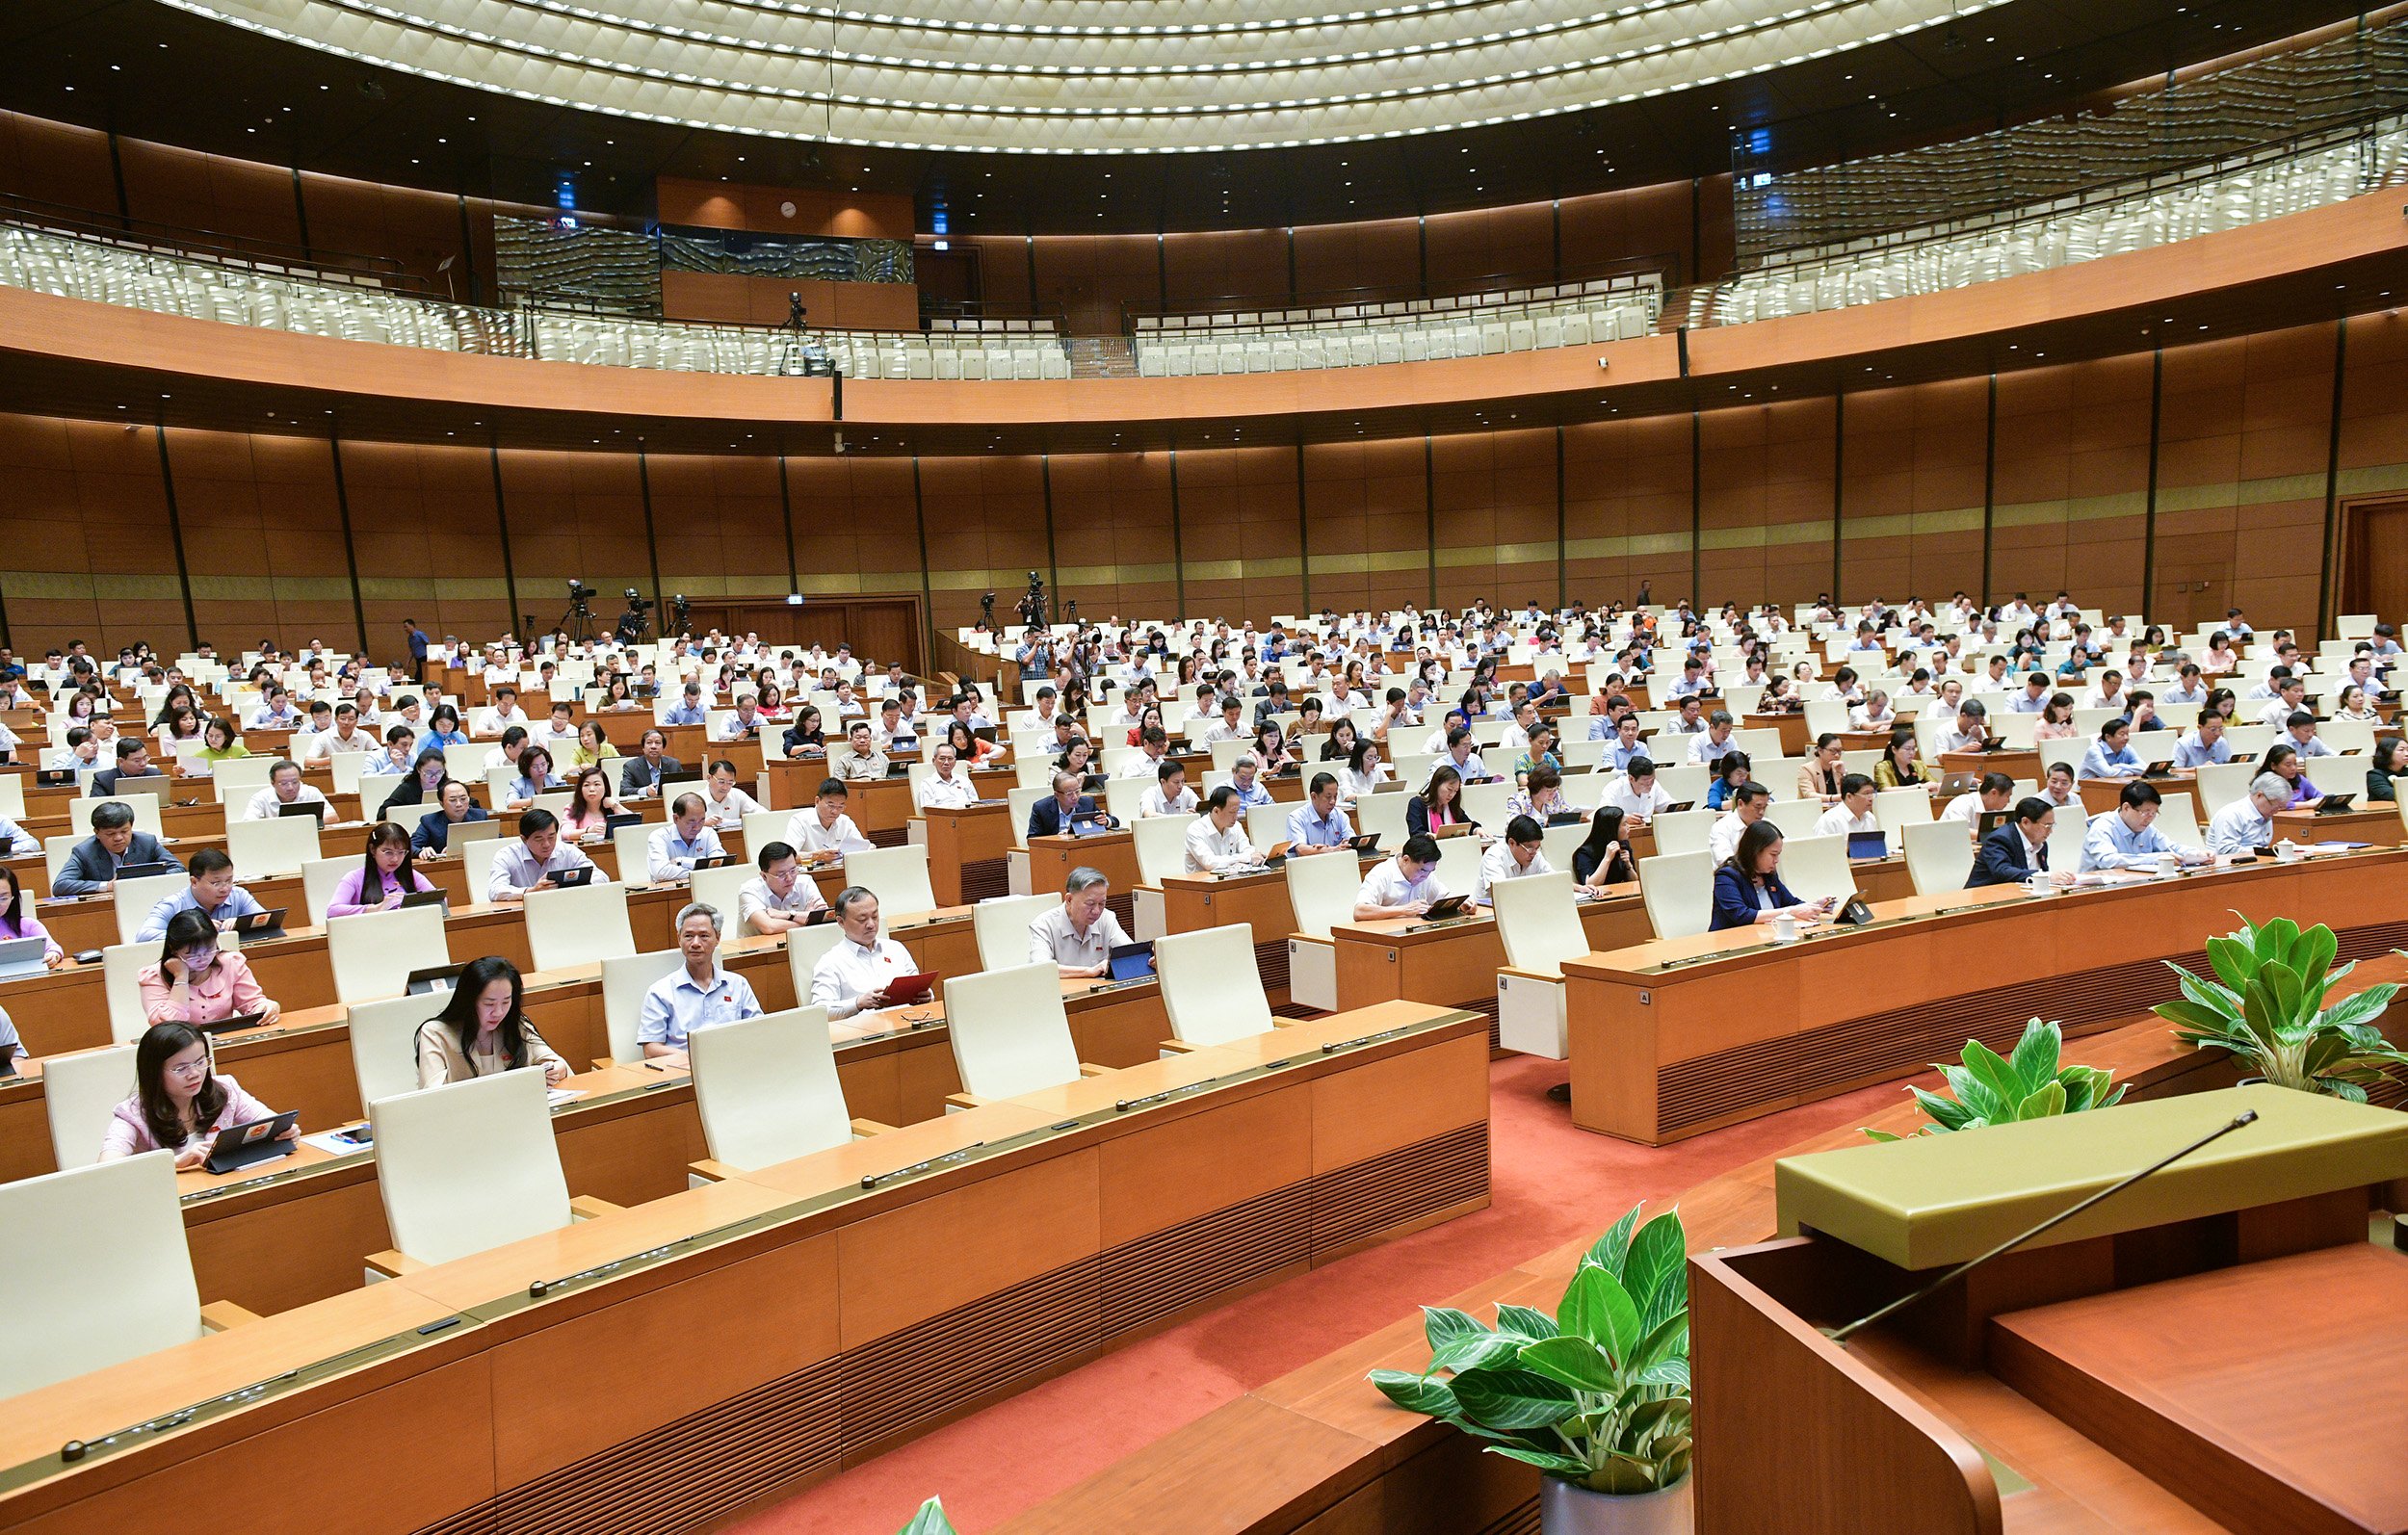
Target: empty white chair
625, 978
95, 1271
1678, 889
1211, 986
1796, 818
804, 946
385, 1043
1893, 810
1683, 831
2220, 783
1815, 867
465, 1167
319, 878
279, 846
1010, 1032
80, 1091
719, 890
1161, 845
2178, 821
2336, 776
898, 876
768, 1092
477, 859
372, 955
1320, 892
1539, 920
134, 899
567, 927
1939, 855
1002, 928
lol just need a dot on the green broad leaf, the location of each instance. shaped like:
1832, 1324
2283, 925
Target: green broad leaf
2360, 1008
1487, 1350
1444, 1324
2233, 961
2288, 991
2315, 955
1968, 1087
1597, 1308
2035, 1055
1556, 1464
1627, 1475
2208, 994
1608, 1251
929, 1521
1665, 1417
1526, 1324
2111, 1098
2264, 1014
2046, 1103
1417, 1393
2339, 1087
1513, 1399
2275, 939
2205, 1020
1658, 1261
1882, 1135
1947, 1112
1668, 1339
2083, 1087
1672, 1372
1573, 1362
1993, 1072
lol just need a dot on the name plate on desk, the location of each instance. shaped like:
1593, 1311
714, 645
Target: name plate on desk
1931, 1201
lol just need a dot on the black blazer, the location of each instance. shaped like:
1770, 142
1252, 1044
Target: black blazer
1417, 817
1625, 870
104, 783
2000, 859
639, 774
434, 831
1045, 815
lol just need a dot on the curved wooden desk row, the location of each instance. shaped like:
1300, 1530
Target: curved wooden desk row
304, 1061
1319, 1450
668, 1365
1675, 1037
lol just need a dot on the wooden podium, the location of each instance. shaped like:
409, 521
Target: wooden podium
2218, 1347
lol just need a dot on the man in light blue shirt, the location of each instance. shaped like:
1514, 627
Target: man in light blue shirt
689, 710
2111, 755
2247, 823
1318, 824
19, 841
2033, 698
2127, 837
2304, 739
698, 994
212, 892
2203, 746
1243, 777
672, 850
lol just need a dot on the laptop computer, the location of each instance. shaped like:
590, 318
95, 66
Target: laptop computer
434, 977
1130, 961
1868, 844
461, 831
1960, 783
1991, 820
23, 956
315, 809
240, 1146
259, 926
158, 786
898, 769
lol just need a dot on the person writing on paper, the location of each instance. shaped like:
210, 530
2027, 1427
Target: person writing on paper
1216, 841
825, 829
179, 1104
855, 976
384, 876
2127, 837
2247, 823
2019, 849
674, 850
528, 863
945, 788
1317, 825
454, 805
1170, 795
1080, 934
1853, 813
1519, 854
698, 994
1403, 886
484, 1028
1749, 804
781, 899
1748, 889
212, 891
196, 983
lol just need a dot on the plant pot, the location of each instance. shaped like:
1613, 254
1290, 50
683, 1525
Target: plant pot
1567, 1508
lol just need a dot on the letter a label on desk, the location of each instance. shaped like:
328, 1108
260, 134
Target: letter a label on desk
1646, 999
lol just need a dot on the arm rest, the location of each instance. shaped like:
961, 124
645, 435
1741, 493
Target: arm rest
1088, 1068
392, 1264
585, 1207
706, 1169
1529, 974
1177, 1046
966, 1099
871, 1126
603, 1063
222, 1315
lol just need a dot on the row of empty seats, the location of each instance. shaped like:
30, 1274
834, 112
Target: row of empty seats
1357, 345
1646, 285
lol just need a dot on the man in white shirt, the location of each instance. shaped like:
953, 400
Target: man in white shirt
1403, 886
1517, 735
781, 899
1080, 934
1995, 791
1519, 854
727, 804
1232, 726
687, 838
698, 994
2247, 823
2109, 693
1170, 795
528, 863
346, 736
1152, 748
285, 788
1748, 803
503, 714
1216, 842
825, 828
1715, 745
2290, 699
1853, 813
1971, 731
857, 975
945, 788
1637, 793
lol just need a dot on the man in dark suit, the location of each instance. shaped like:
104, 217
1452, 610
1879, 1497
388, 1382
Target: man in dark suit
133, 762
1051, 817
641, 777
434, 835
2018, 850
92, 869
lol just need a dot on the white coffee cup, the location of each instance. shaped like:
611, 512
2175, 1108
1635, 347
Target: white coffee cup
2169, 865
1784, 929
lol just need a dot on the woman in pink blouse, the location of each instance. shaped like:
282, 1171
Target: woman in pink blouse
179, 1104
383, 877
17, 919
197, 983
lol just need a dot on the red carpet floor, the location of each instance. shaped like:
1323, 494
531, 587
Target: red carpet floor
1550, 1183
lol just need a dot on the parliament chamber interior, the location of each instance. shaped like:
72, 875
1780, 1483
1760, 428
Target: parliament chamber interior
1493, 767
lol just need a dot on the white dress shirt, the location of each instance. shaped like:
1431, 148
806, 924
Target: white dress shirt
937, 792
1211, 851
805, 835
1053, 940
1151, 804
728, 815
1723, 840
515, 872
1621, 797
756, 897
2238, 828
849, 971
1838, 823
1385, 886
265, 806
1498, 864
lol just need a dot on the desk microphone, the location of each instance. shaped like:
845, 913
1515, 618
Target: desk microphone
1841, 1335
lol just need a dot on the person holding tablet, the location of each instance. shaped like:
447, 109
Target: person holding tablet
178, 1103
195, 981
1748, 888
1405, 885
384, 876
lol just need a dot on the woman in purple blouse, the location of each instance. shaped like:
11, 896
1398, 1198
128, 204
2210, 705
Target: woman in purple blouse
383, 877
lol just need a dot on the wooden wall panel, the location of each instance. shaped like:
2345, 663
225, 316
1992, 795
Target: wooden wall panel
1949, 468
985, 532
2072, 481
1089, 277
1378, 253
575, 515
718, 525
856, 525
1627, 512
1113, 545
1765, 501
428, 541
1243, 547
1467, 250
1366, 520
1613, 226
420, 229
1495, 495
1003, 267
1225, 264
212, 193
57, 163
263, 540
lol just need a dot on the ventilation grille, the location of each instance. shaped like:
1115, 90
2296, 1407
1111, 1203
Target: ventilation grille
1157, 1275
984, 1347
1396, 1187
984, 879
1271, 959
1522, 1521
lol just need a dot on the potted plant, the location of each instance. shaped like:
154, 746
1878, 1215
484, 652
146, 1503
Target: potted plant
2267, 1006
1595, 1396
1994, 1089
929, 1521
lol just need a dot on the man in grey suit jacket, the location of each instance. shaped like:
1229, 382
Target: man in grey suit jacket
92, 869
641, 775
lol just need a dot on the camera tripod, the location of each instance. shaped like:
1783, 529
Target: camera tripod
577, 623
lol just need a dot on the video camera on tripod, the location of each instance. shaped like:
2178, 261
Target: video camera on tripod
633, 623
578, 622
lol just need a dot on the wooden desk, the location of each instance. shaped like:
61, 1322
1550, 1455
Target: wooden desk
2013, 764
1404, 959
2380, 826
800, 1297
1675, 1037
1792, 724
966, 851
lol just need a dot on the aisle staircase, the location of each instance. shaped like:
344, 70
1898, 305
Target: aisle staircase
1102, 357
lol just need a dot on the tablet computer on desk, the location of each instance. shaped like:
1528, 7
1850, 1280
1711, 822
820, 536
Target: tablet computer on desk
1131, 961
1446, 906
434, 977
239, 1146
227, 1025
721, 861
1868, 844
258, 926
315, 809
54, 777
1364, 842
145, 871
23, 956
2334, 804
619, 823
426, 898
572, 878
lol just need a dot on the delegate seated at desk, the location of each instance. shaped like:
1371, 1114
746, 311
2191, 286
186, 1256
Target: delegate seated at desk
133, 759
1519, 854
854, 977
2247, 823
2206, 744
729, 805
1319, 825
1852, 815
17, 839
387, 873
1078, 935
1403, 885
484, 1028
196, 983
456, 804
1051, 817
861, 761
178, 1103
1748, 888
639, 776
2127, 837
698, 994
212, 892
1439, 806
1170, 795
1992, 792
1216, 842
17, 920
91, 868
1603, 859
1637, 793
946, 787
2019, 849
672, 850
528, 863
825, 827
1750, 803
781, 899
2112, 756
